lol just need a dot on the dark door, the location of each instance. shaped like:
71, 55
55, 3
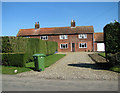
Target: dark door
73, 47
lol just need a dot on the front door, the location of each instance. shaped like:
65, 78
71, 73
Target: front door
73, 47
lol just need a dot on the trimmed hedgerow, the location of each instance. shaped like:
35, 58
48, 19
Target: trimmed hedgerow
29, 46
51, 47
112, 43
12, 59
6, 46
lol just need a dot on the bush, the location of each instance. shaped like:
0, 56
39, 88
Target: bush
12, 59
112, 37
112, 44
114, 59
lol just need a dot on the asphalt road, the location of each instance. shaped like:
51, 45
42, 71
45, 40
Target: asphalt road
13, 83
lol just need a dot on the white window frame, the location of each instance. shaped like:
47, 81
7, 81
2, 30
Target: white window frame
27, 37
82, 36
82, 44
65, 45
63, 36
45, 37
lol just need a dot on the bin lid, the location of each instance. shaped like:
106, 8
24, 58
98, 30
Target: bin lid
39, 55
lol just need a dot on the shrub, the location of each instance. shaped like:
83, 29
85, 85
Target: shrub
114, 59
112, 44
112, 37
12, 59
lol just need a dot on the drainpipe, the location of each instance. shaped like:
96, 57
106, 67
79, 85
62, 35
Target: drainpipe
93, 42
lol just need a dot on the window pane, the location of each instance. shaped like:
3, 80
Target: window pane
61, 46
85, 44
80, 44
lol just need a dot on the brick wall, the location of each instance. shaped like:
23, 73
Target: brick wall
72, 39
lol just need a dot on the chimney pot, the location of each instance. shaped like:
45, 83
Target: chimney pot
37, 26
72, 23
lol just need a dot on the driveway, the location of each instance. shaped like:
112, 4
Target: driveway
76, 65
75, 72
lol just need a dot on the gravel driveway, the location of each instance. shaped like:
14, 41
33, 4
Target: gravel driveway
75, 65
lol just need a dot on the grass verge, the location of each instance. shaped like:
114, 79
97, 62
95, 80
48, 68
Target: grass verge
102, 54
49, 60
10, 70
115, 68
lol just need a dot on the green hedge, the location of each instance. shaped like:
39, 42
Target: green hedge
112, 37
51, 47
12, 59
29, 46
114, 59
112, 43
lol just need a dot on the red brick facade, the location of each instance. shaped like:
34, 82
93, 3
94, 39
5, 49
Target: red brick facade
71, 39
72, 43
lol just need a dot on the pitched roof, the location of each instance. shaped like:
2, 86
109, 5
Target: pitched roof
56, 30
99, 37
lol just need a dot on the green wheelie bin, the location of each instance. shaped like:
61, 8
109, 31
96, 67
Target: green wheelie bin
39, 62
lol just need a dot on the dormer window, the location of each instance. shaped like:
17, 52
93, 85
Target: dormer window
63, 37
82, 36
44, 37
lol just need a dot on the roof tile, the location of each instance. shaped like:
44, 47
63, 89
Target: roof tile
56, 30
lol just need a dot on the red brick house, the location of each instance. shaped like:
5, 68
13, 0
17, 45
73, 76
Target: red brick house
99, 42
70, 39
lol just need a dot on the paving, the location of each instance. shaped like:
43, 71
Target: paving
97, 58
74, 66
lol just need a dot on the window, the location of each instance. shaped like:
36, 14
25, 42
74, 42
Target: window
44, 37
63, 37
63, 46
27, 37
82, 35
82, 45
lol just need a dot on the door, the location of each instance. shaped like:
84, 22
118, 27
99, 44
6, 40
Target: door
100, 47
73, 47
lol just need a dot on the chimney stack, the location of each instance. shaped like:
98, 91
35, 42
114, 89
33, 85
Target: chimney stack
37, 26
72, 23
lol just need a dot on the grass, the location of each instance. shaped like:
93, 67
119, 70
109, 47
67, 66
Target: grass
115, 68
102, 54
10, 69
49, 60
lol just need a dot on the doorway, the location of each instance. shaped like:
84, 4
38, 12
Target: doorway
73, 47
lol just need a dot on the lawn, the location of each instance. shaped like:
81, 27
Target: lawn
11, 69
102, 54
115, 68
49, 60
